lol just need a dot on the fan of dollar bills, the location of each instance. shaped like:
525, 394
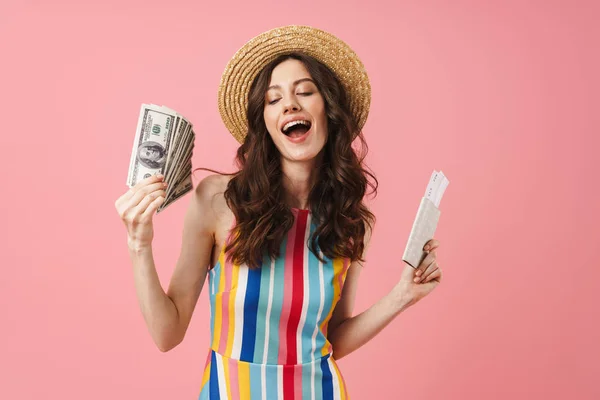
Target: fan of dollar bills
163, 144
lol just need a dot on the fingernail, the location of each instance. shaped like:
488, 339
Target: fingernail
416, 279
419, 273
427, 248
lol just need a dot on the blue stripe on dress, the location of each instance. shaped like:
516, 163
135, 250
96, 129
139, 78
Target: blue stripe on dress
318, 379
250, 311
307, 380
272, 382
312, 311
277, 304
261, 322
327, 379
214, 378
255, 381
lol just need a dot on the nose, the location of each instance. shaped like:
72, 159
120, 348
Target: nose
290, 105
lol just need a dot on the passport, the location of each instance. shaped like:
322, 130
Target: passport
426, 221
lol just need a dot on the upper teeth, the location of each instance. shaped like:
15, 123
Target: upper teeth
290, 124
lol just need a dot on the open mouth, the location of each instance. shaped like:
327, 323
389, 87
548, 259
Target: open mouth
296, 129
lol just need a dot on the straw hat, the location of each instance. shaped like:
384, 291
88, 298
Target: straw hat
264, 48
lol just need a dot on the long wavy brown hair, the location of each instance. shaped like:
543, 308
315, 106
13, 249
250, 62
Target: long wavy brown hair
255, 193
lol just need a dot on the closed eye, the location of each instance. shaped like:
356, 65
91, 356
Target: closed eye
301, 94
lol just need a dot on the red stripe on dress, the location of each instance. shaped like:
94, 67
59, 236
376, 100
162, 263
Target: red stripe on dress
234, 382
288, 382
297, 289
297, 293
298, 370
288, 281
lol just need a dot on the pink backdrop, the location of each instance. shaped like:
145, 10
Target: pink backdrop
501, 96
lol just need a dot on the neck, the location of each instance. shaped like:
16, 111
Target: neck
298, 179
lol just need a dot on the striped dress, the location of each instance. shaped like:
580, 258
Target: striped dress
269, 325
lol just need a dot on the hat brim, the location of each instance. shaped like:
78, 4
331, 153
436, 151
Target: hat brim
251, 58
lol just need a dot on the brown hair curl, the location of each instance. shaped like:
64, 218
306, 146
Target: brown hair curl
255, 193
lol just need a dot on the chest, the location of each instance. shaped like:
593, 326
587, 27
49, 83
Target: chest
292, 285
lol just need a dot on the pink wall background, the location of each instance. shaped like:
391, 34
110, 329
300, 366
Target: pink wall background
502, 96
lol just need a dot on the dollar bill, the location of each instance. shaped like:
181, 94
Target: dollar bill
182, 142
163, 144
182, 188
152, 143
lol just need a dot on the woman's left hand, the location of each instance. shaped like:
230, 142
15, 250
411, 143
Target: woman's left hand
417, 283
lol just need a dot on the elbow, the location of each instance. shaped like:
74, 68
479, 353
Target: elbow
167, 342
337, 353
337, 346
166, 346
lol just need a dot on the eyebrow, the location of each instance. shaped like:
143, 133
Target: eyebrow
295, 83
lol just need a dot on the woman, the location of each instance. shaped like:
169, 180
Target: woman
281, 240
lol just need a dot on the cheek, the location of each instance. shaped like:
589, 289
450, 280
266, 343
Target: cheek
319, 108
270, 121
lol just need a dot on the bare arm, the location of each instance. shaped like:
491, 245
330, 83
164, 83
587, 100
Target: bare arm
349, 333
353, 332
167, 315
346, 332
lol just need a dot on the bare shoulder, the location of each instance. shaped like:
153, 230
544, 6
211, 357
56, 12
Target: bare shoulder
209, 200
210, 190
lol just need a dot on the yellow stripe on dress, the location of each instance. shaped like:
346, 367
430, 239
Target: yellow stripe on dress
244, 380
219, 303
338, 264
235, 272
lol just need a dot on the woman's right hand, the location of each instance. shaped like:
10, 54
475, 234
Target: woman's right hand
137, 207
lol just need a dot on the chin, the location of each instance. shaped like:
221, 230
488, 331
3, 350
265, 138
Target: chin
305, 152
303, 155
